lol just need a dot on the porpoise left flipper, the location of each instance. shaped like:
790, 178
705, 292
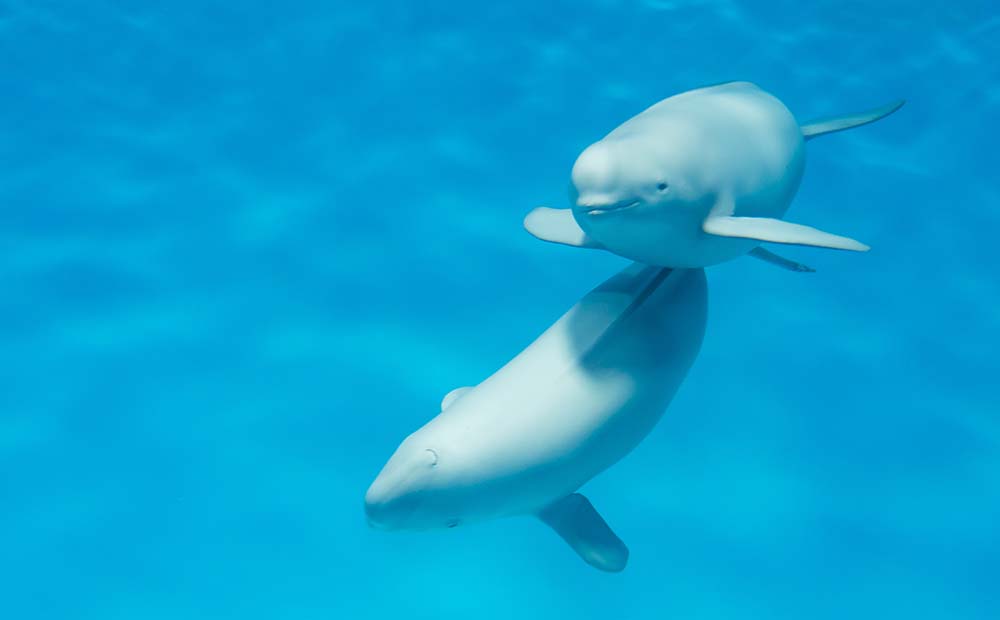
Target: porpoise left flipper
578, 523
558, 226
778, 231
780, 261
450, 398
840, 123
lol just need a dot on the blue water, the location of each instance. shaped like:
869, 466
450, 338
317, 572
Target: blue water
249, 246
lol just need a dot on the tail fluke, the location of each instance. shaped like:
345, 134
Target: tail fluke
840, 123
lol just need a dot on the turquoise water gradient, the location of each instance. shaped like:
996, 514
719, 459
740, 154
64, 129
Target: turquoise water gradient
248, 247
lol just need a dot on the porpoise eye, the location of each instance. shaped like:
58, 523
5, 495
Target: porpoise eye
662, 187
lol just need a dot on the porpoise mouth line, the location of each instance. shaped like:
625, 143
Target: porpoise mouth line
613, 208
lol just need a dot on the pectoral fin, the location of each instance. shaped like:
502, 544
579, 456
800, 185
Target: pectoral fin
780, 261
450, 398
575, 520
778, 231
557, 226
840, 123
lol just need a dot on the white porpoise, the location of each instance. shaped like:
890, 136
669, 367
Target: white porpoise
577, 400
697, 179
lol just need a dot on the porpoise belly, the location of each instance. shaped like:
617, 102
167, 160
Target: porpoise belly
656, 238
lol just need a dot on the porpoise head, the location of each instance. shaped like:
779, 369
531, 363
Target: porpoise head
406, 493
609, 178
629, 194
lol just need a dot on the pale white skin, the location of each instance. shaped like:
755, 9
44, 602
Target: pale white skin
645, 190
577, 400
695, 180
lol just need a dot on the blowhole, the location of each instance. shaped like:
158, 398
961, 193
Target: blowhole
434, 457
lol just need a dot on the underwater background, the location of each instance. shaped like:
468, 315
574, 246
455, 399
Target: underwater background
248, 247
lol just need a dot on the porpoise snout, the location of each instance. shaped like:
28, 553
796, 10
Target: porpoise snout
593, 200
393, 499
595, 187
603, 205
381, 504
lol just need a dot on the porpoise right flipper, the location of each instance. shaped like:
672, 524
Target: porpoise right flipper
780, 261
558, 226
578, 523
840, 123
778, 231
